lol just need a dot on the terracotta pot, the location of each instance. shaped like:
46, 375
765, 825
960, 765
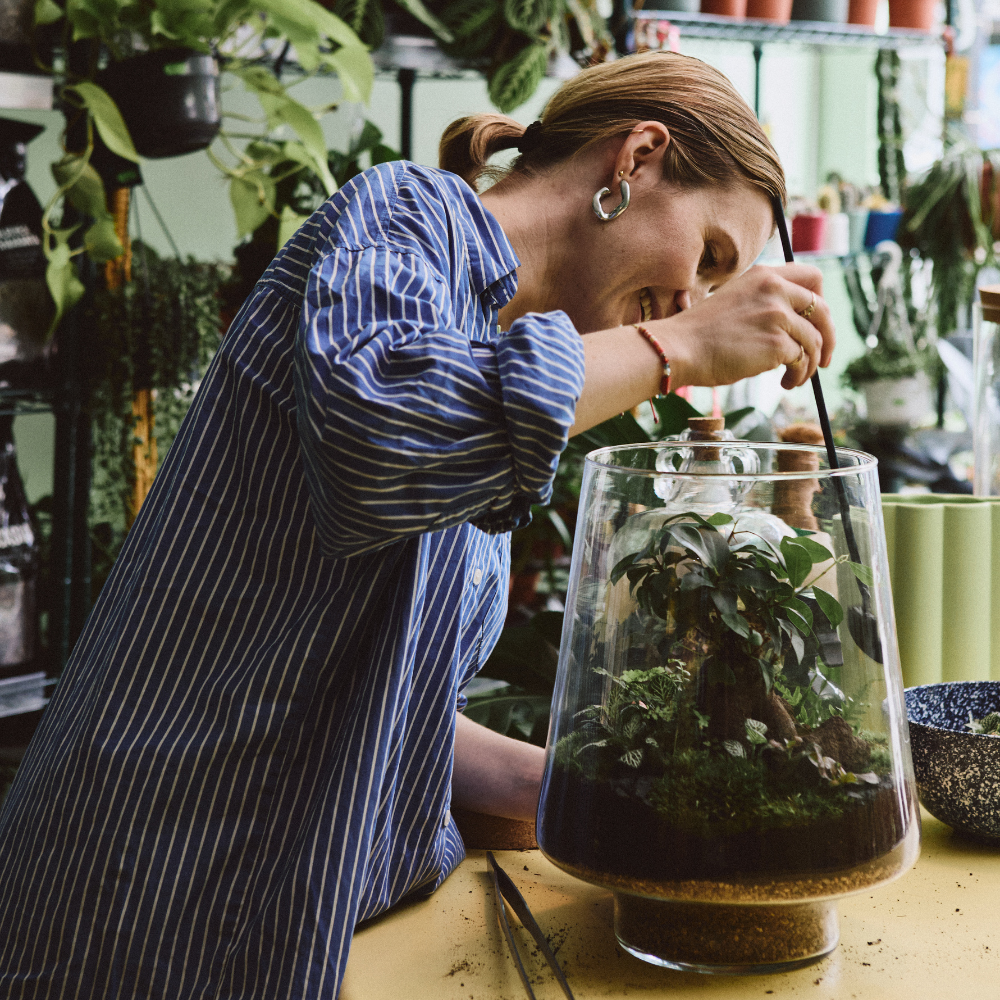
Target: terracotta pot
779, 11
917, 14
808, 232
862, 12
727, 8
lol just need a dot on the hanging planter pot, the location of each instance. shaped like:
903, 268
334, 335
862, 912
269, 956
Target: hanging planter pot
914, 14
169, 100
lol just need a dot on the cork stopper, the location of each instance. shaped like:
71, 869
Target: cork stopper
793, 500
707, 429
989, 296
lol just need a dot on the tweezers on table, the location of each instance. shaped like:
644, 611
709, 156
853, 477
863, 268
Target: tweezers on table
505, 890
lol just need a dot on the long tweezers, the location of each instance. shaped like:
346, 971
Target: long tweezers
505, 889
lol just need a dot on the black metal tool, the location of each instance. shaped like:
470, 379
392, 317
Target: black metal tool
505, 889
861, 621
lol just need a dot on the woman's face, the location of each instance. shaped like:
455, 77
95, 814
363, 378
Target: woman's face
665, 253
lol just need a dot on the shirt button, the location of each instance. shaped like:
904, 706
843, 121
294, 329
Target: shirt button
477, 577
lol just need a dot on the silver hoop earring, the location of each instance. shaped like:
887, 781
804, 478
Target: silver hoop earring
618, 209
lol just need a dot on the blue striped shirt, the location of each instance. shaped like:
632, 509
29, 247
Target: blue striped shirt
251, 747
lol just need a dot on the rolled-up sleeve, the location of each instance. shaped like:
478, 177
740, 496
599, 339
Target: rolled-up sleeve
406, 424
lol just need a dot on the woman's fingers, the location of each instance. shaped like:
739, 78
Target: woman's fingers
768, 317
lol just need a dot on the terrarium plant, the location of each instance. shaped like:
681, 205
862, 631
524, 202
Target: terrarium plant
737, 711
728, 705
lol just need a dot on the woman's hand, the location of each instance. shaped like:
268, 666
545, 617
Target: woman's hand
494, 774
752, 324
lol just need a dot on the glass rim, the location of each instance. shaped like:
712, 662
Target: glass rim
865, 461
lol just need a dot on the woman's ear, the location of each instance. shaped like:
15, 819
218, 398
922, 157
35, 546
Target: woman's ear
641, 155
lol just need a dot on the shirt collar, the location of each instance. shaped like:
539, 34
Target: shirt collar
492, 262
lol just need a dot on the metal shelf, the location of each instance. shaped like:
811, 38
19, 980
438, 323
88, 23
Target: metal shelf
16, 402
759, 32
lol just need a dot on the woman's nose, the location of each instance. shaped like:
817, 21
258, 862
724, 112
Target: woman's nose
683, 300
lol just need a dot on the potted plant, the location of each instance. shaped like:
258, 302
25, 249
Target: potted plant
714, 756
513, 42
952, 218
895, 381
176, 46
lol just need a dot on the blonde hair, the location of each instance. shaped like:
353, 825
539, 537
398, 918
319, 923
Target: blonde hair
715, 137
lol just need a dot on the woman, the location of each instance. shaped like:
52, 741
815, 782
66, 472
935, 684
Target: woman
255, 744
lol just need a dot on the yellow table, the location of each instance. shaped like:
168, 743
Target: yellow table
934, 933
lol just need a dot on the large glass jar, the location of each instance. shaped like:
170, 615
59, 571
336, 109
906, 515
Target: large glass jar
728, 750
986, 392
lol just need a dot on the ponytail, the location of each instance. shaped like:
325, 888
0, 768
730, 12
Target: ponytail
468, 144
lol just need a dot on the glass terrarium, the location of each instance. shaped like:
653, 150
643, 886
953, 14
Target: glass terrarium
728, 750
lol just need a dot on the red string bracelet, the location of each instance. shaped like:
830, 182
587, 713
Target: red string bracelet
665, 378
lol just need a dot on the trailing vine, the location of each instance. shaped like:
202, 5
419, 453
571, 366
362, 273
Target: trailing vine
160, 330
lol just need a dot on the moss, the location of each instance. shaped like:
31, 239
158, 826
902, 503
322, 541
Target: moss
715, 794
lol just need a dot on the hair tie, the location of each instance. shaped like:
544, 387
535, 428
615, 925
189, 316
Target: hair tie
531, 138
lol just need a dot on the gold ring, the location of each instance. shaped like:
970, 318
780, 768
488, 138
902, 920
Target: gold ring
802, 354
808, 311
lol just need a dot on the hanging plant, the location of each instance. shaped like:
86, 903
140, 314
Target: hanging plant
167, 319
241, 33
949, 220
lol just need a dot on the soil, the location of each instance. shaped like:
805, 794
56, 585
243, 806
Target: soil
607, 826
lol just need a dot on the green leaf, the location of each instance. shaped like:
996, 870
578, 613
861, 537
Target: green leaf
737, 623
301, 19
474, 24
829, 605
863, 573
299, 118
798, 562
289, 224
65, 287
719, 519
796, 607
518, 78
424, 16
673, 412
707, 544
102, 241
47, 12
735, 748
817, 552
756, 732
726, 604
527, 16
252, 201
735, 416
798, 646
621, 567
82, 184
107, 118
356, 71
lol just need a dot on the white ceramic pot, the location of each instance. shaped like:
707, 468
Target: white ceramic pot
898, 401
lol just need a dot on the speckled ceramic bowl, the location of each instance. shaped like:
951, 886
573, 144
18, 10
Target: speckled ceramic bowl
958, 772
